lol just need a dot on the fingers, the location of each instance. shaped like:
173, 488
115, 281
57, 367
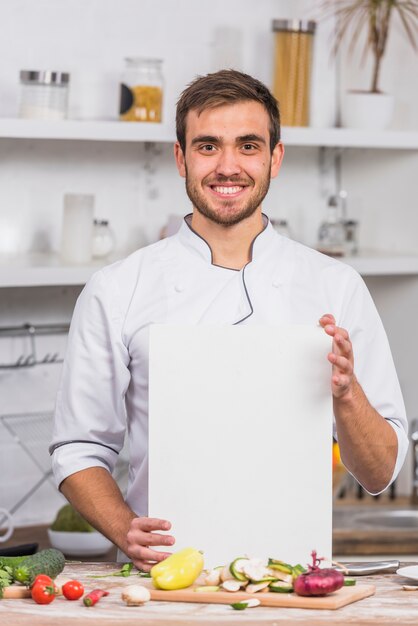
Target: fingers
327, 319
146, 558
142, 537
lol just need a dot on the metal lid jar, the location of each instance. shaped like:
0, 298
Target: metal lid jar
44, 94
141, 91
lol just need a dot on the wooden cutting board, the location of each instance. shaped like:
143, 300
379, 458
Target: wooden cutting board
16, 592
342, 597
336, 600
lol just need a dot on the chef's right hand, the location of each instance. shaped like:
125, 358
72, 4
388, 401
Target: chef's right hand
141, 539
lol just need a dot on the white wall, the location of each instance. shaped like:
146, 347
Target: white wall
137, 186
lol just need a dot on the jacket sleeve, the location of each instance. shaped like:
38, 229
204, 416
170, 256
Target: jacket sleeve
373, 364
90, 417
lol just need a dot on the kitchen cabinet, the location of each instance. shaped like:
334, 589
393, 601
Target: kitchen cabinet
31, 270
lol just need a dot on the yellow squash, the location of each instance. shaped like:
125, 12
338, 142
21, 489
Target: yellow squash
179, 570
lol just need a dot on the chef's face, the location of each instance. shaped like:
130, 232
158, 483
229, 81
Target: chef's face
228, 163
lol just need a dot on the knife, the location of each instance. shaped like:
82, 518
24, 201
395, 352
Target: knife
364, 569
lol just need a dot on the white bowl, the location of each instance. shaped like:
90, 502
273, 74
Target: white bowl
79, 544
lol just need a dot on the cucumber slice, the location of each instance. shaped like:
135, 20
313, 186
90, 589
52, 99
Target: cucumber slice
281, 566
297, 570
281, 587
349, 582
237, 568
245, 604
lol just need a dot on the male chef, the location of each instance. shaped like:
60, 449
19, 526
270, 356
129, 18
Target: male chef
225, 265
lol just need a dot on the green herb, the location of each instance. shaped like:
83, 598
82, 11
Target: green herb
6, 579
144, 574
125, 571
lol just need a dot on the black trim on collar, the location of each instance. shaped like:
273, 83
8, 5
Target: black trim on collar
190, 215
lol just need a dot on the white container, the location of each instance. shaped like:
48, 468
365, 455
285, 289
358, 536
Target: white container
77, 228
44, 95
368, 111
79, 544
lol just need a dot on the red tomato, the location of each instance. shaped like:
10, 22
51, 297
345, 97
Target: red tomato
73, 590
42, 578
43, 593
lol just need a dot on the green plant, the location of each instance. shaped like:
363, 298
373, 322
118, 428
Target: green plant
376, 15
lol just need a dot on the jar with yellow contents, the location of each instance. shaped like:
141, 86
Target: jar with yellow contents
141, 93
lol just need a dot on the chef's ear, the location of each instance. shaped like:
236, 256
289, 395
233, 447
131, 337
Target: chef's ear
276, 159
180, 160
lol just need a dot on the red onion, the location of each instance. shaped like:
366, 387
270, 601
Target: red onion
317, 581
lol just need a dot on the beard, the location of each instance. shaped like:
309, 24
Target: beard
229, 215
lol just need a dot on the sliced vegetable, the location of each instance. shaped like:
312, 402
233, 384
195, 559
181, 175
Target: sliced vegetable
280, 586
231, 585
50, 562
135, 595
297, 570
254, 588
207, 588
246, 604
256, 571
237, 568
349, 582
281, 566
94, 596
214, 576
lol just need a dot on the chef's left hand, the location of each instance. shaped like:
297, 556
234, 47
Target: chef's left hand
341, 358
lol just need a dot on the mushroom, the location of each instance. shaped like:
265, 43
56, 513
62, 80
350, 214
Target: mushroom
231, 585
135, 595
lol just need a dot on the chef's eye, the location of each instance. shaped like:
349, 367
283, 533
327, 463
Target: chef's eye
207, 147
249, 147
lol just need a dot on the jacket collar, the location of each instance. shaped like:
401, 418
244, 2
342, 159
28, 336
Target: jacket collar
194, 242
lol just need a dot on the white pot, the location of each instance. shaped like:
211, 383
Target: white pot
362, 109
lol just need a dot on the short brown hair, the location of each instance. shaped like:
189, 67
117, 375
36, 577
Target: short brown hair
225, 87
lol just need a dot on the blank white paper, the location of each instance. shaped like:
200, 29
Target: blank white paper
240, 439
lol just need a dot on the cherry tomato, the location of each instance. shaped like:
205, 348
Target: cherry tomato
42, 578
73, 590
43, 593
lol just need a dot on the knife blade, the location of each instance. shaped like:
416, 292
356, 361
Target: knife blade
364, 569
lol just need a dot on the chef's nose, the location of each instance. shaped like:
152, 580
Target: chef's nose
228, 163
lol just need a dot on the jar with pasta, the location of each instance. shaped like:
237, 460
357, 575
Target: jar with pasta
141, 93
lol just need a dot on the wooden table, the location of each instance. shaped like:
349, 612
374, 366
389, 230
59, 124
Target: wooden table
390, 605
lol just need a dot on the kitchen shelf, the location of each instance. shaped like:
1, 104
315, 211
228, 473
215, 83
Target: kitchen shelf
100, 130
35, 270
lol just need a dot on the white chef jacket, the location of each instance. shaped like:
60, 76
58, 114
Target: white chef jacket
104, 385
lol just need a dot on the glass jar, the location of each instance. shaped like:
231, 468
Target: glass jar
292, 69
44, 95
331, 234
141, 92
103, 239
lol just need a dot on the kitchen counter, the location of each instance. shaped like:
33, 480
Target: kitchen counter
351, 537
390, 604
